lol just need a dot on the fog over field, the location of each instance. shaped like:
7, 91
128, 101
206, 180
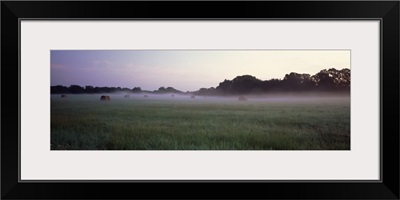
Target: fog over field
277, 97
163, 122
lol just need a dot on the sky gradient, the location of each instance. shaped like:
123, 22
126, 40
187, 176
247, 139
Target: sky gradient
185, 70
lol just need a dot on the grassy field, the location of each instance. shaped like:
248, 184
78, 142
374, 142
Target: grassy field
83, 122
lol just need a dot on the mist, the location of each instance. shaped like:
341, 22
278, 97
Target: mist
249, 99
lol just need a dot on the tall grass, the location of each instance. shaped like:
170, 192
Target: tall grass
83, 122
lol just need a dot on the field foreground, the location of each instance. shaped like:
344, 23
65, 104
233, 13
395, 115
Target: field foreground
83, 122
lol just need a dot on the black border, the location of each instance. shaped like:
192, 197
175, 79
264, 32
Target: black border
386, 11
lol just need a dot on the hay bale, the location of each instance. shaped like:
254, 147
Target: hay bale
63, 96
242, 98
126, 96
105, 98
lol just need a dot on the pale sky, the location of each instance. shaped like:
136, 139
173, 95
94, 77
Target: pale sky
185, 70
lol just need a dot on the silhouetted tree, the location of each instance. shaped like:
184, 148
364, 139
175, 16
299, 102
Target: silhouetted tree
272, 85
343, 79
167, 90
297, 82
89, 89
246, 84
332, 79
206, 91
136, 89
59, 89
76, 89
225, 87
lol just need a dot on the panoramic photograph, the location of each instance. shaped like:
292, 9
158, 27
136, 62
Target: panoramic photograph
200, 100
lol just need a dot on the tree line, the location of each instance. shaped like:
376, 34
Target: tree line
76, 89
327, 80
